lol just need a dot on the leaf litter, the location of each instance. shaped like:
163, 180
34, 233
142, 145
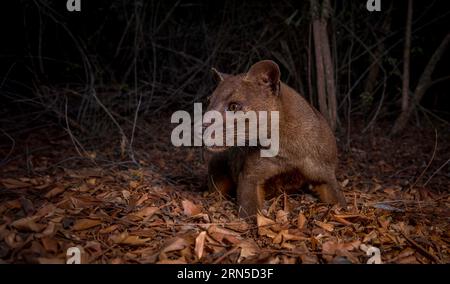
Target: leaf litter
160, 212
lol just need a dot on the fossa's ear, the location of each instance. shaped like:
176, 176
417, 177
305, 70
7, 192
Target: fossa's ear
219, 76
265, 72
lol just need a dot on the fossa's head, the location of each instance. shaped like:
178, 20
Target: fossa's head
256, 90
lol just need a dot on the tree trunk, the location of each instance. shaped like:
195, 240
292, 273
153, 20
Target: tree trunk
406, 58
328, 66
320, 75
422, 86
325, 81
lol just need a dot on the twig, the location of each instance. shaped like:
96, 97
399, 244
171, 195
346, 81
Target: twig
421, 249
440, 168
4, 161
228, 253
372, 121
72, 137
429, 163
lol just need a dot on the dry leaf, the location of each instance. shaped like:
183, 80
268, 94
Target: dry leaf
13, 204
326, 226
370, 236
301, 221
403, 254
238, 226
288, 246
200, 244
279, 237
49, 230
287, 260
13, 240
248, 249
216, 229
262, 221
264, 226
46, 210
175, 244
126, 239
83, 201
146, 212
54, 192
219, 234
309, 259
109, 229
50, 245
117, 261
134, 240
91, 182
342, 220
284, 236
28, 224
10, 183
330, 247
391, 192
292, 237
282, 217
141, 200
232, 239
118, 238
133, 184
189, 208
43, 186
126, 194
408, 260
84, 224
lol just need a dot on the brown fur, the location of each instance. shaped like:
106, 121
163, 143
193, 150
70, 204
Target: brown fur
307, 151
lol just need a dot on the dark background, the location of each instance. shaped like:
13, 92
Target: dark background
163, 50
108, 70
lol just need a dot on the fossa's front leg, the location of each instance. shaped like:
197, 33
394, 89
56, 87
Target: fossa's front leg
330, 192
251, 182
250, 196
219, 177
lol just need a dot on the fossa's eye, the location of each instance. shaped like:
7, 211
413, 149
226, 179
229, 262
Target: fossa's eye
234, 106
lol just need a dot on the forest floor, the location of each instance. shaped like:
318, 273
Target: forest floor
53, 197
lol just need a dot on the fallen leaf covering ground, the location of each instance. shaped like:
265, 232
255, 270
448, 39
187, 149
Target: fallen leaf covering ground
53, 197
